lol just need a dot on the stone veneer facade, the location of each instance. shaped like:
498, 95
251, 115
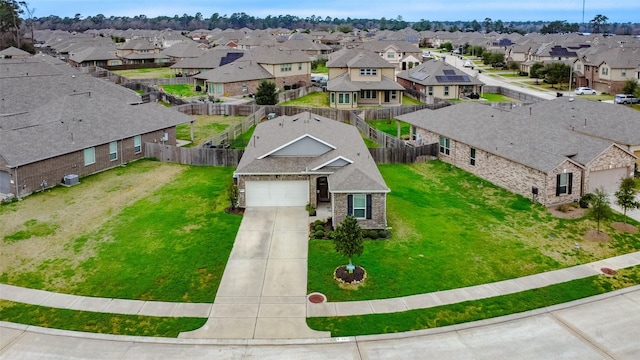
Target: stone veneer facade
378, 212
613, 158
519, 178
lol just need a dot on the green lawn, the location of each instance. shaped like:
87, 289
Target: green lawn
148, 73
406, 100
242, 141
390, 126
496, 98
134, 325
171, 245
452, 229
477, 309
317, 99
181, 90
205, 127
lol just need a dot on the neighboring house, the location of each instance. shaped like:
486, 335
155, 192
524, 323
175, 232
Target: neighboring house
541, 151
287, 69
13, 53
361, 77
308, 159
607, 71
140, 51
403, 54
95, 56
209, 60
438, 79
57, 122
183, 50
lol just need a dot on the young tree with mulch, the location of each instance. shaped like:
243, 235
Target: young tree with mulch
348, 240
625, 196
600, 209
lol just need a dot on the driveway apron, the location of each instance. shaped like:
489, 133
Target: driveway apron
262, 294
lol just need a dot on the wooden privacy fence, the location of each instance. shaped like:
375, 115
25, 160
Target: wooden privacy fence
193, 156
404, 155
380, 137
234, 131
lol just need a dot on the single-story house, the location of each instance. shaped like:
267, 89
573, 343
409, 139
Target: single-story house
57, 123
532, 152
309, 159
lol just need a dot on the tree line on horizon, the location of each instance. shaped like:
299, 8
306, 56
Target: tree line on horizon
17, 17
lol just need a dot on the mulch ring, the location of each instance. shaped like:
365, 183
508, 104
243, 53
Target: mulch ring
236, 211
350, 280
626, 228
570, 213
594, 235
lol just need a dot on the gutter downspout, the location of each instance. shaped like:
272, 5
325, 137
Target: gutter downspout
17, 182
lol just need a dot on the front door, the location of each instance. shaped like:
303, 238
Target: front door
322, 189
386, 96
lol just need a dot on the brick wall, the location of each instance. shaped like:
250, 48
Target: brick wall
378, 212
32, 176
508, 174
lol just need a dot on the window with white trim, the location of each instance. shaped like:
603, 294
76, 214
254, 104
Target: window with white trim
89, 156
394, 95
113, 150
391, 55
344, 98
137, 144
446, 91
605, 71
285, 67
359, 206
430, 90
332, 97
564, 183
623, 72
368, 72
299, 66
445, 145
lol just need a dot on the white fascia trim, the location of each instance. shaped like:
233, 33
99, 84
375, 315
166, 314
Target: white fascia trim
360, 191
332, 160
296, 140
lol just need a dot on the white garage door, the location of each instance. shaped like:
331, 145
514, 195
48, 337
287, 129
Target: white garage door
276, 193
608, 179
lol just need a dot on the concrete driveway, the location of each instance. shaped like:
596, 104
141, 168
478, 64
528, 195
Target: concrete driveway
633, 214
262, 294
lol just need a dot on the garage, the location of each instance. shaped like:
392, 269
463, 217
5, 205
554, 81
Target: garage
276, 193
608, 179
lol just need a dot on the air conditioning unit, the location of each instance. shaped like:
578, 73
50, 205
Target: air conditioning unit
70, 180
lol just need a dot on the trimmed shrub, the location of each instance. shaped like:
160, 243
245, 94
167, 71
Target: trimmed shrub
319, 227
384, 234
371, 234
585, 200
318, 234
317, 222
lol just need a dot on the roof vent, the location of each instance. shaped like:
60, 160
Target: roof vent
316, 119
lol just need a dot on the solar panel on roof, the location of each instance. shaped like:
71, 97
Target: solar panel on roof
449, 72
231, 57
442, 79
419, 75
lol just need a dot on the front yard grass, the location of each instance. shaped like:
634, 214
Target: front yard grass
451, 230
496, 98
102, 323
205, 127
170, 245
476, 309
390, 126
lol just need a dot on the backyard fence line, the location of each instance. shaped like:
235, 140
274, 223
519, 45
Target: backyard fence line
193, 156
404, 155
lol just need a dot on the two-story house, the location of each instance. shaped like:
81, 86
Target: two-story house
608, 70
361, 77
403, 54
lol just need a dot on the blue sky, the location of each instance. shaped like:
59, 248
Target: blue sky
434, 10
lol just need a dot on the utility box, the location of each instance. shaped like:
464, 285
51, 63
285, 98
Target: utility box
70, 180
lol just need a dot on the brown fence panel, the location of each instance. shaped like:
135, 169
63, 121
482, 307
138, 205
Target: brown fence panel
403, 155
193, 156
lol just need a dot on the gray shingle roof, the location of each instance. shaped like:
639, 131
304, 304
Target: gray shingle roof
540, 140
343, 83
357, 58
239, 70
362, 174
56, 110
430, 73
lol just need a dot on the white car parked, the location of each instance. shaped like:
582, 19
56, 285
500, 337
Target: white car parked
585, 91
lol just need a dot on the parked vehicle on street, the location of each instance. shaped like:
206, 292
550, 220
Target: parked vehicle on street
585, 91
625, 99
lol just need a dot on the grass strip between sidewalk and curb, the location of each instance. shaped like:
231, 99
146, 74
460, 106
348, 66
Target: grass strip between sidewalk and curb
475, 310
102, 323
